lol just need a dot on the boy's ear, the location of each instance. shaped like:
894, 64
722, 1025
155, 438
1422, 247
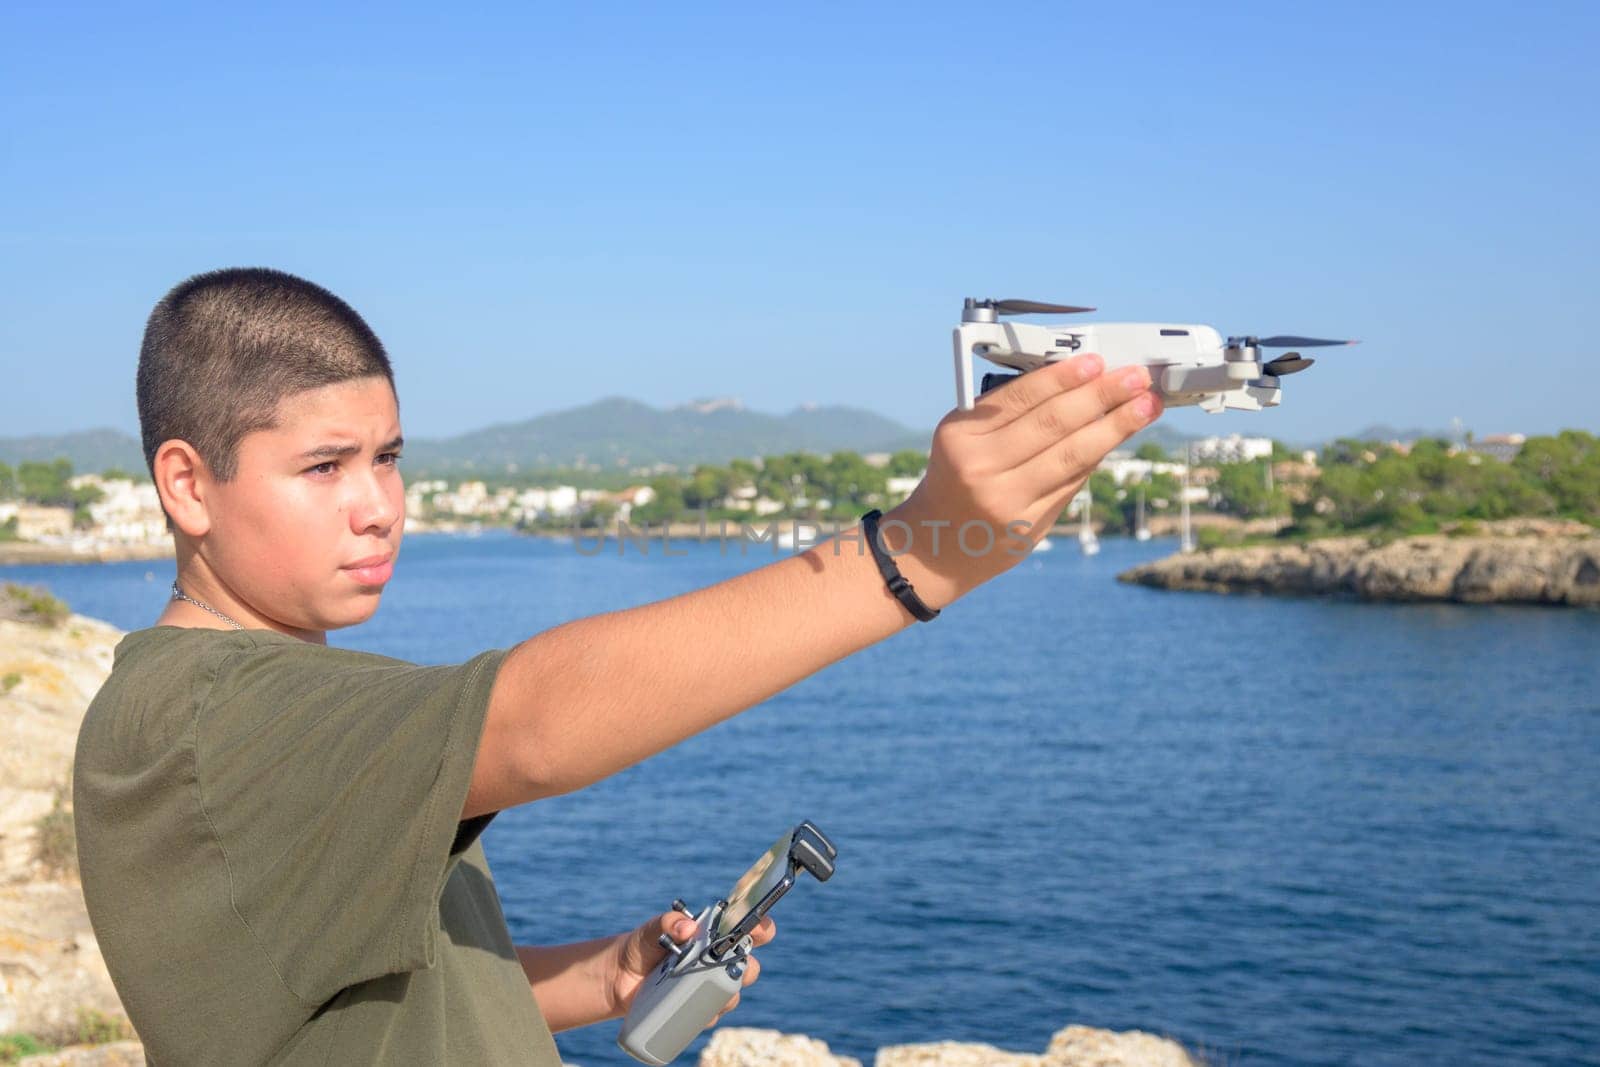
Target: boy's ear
181, 478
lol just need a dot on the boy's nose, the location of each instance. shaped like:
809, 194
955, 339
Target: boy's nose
373, 508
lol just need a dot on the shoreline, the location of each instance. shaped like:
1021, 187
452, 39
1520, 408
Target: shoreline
34, 553
24, 553
1162, 526
1546, 571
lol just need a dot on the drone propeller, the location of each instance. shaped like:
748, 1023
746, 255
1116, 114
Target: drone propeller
1032, 307
1291, 341
1290, 363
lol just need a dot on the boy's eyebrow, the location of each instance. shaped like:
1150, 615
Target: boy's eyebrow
332, 450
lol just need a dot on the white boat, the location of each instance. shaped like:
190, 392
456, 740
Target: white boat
1141, 532
801, 535
1043, 545
1186, 541
1087, 541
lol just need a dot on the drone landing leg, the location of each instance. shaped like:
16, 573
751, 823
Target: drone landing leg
964, 393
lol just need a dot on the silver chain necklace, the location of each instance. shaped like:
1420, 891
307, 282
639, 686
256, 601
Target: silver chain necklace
179, 594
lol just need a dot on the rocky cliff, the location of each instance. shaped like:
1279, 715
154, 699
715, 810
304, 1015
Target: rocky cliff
53, 982
1538, 567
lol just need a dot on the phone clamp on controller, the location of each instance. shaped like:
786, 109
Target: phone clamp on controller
702, 973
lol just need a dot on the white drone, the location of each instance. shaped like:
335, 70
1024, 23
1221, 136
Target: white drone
1188, 364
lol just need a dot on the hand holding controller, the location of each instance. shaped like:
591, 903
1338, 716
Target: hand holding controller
698, 977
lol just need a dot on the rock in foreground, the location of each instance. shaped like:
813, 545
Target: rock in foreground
1076, 1046
118, 1054
733, 1046
51, 971
1465, 570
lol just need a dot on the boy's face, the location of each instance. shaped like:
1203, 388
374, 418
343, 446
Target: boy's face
312, 497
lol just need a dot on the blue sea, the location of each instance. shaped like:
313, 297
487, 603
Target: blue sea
1282, 831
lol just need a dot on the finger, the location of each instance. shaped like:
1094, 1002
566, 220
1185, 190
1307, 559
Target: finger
726, 1008
999, 407
643, 950
764, 932
751, 971
1052, 421
1053, 469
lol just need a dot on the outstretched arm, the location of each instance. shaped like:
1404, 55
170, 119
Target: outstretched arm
586, 699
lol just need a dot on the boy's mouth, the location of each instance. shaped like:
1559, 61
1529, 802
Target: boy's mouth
374, 570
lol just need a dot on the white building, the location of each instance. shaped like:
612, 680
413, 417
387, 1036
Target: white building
468, 498
748, 498
1233, 448
900, 488
635, 496
127, 512
36, 522
540, 502
1501, 446
1125, 469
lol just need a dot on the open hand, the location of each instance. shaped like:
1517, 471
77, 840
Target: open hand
1006, 469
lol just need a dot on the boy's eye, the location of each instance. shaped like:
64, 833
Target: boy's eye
390, 458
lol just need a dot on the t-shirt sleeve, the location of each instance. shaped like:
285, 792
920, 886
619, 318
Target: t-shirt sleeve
333, 782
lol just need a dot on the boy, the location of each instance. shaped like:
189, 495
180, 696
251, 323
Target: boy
279, 840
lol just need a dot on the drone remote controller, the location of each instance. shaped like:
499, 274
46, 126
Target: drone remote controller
701, 974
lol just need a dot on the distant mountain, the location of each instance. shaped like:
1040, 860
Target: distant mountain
90, 451
611, 434
616, 434
1382, 432
1166, 436
620, 433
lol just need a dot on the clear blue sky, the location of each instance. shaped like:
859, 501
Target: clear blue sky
537, 208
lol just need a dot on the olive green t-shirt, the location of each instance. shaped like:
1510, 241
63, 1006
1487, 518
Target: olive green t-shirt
274, 861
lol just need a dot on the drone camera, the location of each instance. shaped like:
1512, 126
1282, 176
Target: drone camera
995, 381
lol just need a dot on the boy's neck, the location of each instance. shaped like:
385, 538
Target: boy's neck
199, 582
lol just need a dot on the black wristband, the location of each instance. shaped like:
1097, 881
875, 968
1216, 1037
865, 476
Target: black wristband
898, 585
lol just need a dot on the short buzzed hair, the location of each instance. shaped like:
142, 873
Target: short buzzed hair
223, 349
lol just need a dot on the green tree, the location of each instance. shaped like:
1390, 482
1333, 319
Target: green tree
706, 487
1347, 450
8, 482
907, 463
851, 484
1153, 452
666, 506
1105, 502
1242, 489
599, 516
1568, 467
45, 483
791, 477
